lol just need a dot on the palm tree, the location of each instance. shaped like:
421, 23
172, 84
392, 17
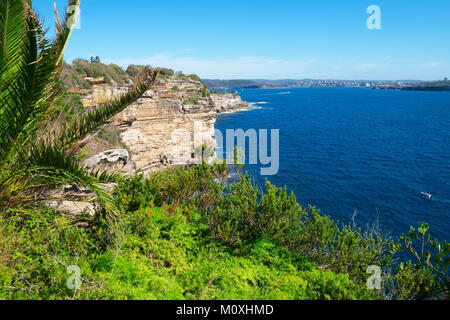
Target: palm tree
30, 66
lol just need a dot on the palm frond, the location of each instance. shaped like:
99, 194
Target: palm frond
101, 114
105, 176
30, 66
26, 98
50, 166
12, 23
12, 26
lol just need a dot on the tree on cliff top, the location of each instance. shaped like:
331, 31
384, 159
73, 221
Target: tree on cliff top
32, 155
96, 59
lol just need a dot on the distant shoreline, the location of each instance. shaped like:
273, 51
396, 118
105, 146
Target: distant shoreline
304, 83
422, 88
403, 88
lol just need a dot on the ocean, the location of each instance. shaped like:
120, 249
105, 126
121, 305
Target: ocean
358, 151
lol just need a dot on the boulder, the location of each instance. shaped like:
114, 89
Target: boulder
74, 200
117, 160
228, 102
72, 208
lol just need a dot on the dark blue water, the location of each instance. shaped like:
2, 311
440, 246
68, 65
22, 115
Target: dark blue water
347, 149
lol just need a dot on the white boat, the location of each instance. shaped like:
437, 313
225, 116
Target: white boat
426, 195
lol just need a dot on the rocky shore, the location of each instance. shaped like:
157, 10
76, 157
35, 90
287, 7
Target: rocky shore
229, 102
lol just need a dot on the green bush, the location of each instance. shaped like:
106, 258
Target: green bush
194, 187
134, 193
238, 215
71, 77
204, 240
413, 282
111, 134
166, 72
110, 72
204, 92
36, 250
195, 77
134, 70
191, 101
170, 258
164, 253
233, 218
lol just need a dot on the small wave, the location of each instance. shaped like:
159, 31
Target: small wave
242, 110
254, 107
284, 92
261, 102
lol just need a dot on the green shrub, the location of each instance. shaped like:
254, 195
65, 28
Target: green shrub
71, 77
36, 250
194, 187
166, 72
426, 275
134, 193
111, 134
195, 77
204, 92
239, 215
191, 101
134, 70
413, 282
204, 240
110, 72
171, 258
82, 154
233, 218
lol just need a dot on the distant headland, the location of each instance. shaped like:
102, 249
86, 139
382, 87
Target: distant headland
216, 84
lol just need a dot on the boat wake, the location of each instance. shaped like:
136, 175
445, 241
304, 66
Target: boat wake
431, 197
446, 201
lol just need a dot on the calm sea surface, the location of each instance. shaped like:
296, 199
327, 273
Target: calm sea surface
347, 150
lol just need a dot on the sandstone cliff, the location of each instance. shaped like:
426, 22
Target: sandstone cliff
168, 125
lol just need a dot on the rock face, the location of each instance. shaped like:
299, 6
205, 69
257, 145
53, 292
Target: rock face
167, 126
229, 102
102, 93
75, 201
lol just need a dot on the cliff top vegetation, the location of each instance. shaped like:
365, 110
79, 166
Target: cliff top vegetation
76, 75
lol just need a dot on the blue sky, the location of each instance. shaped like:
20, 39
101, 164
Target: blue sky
266, 39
